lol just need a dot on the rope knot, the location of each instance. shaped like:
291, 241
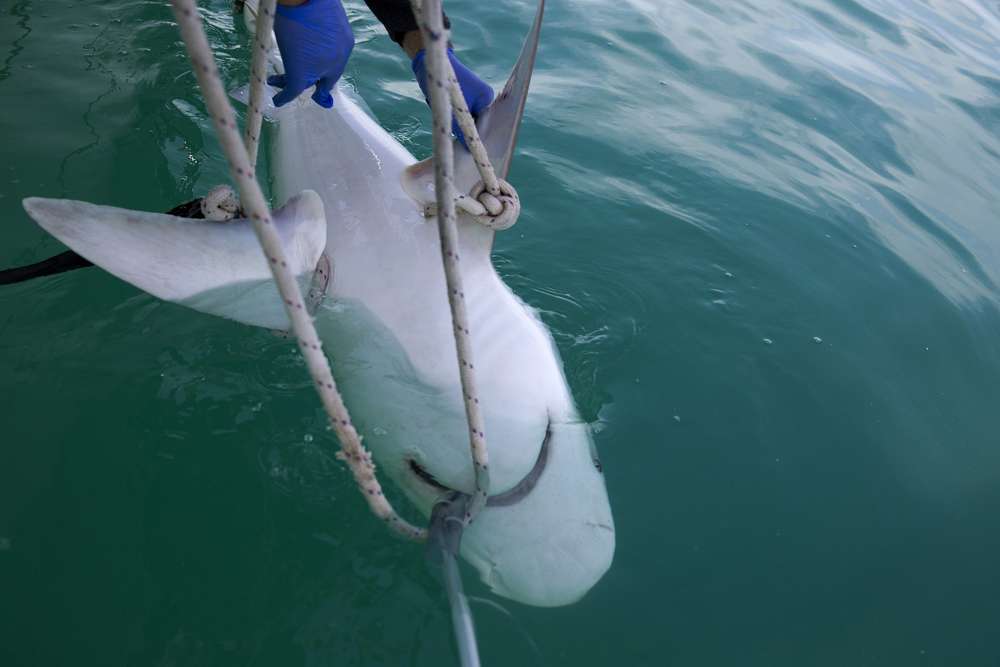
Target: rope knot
220, 204
501, 211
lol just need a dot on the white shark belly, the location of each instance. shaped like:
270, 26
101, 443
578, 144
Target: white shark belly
387, 266
547, 534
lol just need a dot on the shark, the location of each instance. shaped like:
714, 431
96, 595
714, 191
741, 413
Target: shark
356, 235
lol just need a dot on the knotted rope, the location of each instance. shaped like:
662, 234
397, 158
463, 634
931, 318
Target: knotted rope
492, 202
220, 204
357, 458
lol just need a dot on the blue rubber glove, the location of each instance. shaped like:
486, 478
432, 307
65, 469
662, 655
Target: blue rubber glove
477, 92
315, 40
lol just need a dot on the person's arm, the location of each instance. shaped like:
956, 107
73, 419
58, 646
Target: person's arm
397, 18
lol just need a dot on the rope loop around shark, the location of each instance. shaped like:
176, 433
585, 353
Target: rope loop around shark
546, 535
492, 202
496, 212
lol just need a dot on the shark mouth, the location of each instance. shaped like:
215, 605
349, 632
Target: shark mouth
510, 497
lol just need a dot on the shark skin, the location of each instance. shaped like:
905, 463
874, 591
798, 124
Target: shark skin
547, 535
212, 267
396, 360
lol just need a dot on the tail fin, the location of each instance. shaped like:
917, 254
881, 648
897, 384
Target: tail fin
213, 267
70, 261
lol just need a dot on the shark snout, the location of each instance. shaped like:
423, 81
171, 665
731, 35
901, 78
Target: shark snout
550, 546
556, 569
548, 539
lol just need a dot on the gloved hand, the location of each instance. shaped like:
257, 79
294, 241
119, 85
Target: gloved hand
477, 92
315, 40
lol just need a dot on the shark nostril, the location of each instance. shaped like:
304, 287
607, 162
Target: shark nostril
425, 476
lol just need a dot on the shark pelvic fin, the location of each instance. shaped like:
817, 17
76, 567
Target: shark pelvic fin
213, 267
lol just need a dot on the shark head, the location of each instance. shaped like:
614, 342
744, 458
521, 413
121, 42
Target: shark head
546, 535
548, 539
355, 201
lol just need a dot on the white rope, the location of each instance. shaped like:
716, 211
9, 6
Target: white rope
220, 204
357, 458
501, 205
258, 72
435, 40
496, 213
471, 133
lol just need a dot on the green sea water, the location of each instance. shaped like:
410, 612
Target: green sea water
765, 235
